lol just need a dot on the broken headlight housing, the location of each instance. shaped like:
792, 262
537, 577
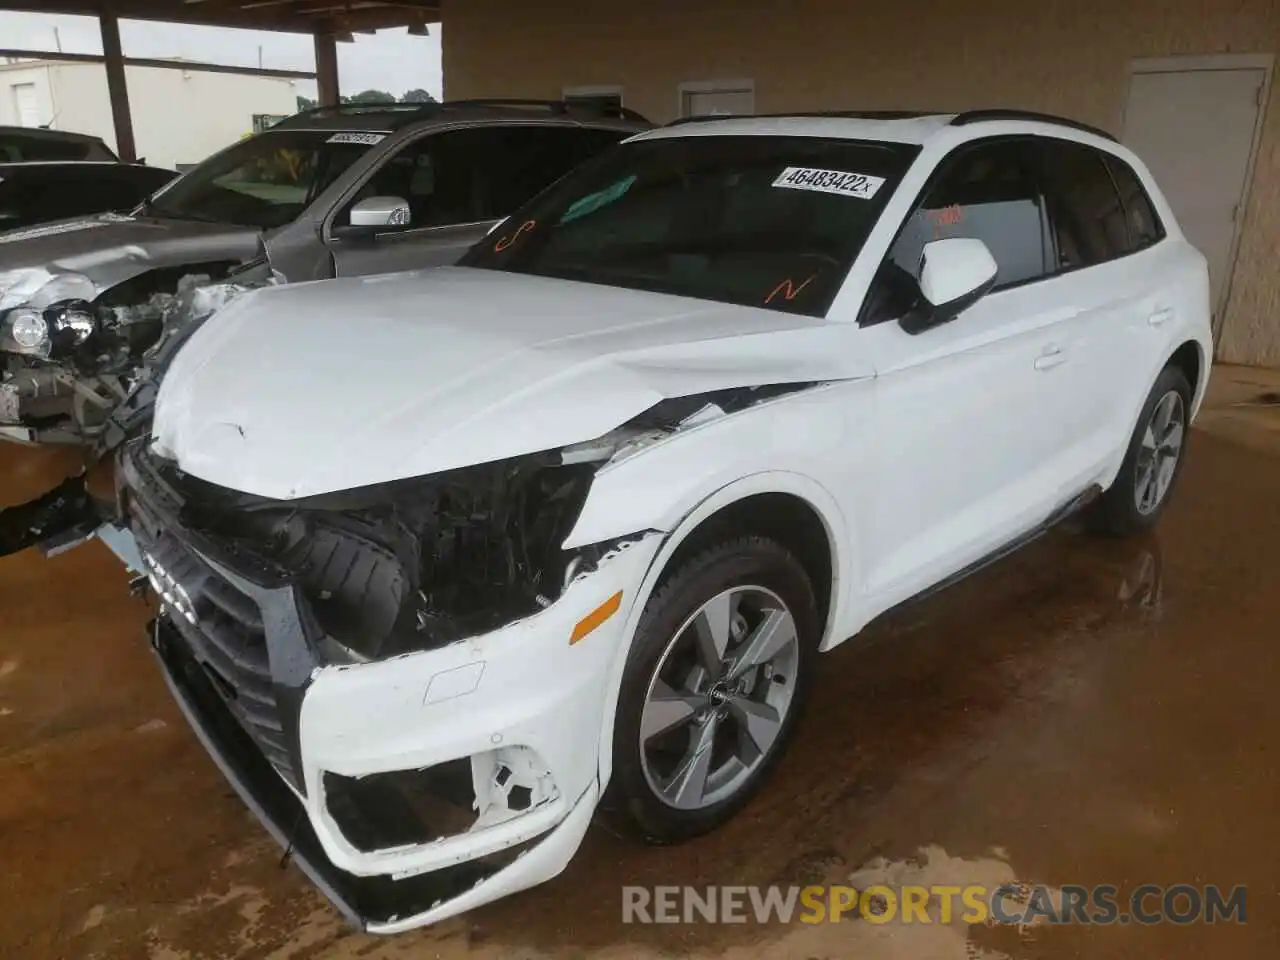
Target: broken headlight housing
413, 564
45, 315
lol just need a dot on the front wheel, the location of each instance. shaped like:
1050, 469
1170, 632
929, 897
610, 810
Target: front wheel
717, 675
1153, 461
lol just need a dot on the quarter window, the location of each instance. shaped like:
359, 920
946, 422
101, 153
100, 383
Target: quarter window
1145, 228
1088, 218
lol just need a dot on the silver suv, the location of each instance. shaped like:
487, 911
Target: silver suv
334, 191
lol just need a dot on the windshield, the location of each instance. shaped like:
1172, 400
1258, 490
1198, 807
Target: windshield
760, 221
265, 181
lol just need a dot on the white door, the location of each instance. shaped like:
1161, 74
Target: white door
1195, 130
25, 105
974, 419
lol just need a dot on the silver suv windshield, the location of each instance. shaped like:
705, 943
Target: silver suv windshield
265, 181
765, 221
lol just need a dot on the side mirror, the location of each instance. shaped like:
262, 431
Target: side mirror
955, 274
374, 215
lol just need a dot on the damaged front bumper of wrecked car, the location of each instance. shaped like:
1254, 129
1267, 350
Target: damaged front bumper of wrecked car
409, 789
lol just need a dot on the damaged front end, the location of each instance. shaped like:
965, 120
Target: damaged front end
80, 372
406, 681
386, 675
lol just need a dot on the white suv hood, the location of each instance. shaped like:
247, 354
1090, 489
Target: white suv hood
311, 388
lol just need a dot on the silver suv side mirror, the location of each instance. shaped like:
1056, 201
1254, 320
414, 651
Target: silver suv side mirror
381, 212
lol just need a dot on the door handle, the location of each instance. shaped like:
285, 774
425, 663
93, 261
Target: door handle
1158, 317
1050, 358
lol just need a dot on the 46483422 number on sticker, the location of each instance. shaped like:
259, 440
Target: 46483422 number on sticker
860, 185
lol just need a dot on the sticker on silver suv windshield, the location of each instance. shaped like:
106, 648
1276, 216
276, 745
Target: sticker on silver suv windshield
860, 185
368, 139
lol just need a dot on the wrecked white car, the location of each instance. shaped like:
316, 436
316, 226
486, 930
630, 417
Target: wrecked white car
450, 560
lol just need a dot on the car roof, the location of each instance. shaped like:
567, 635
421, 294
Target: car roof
390, 117
891, 126
38, 166
40, 133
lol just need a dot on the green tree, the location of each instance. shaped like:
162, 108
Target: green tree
370, 96
306, 103
417, 95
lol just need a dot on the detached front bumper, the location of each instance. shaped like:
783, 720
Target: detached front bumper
411, 789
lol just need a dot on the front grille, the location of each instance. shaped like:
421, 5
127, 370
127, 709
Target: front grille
365, 900
228, 638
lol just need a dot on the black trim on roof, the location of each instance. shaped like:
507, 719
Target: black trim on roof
395, 115
982, 116
839, 114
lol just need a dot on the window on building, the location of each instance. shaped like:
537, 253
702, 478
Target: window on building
717, 98
1085, 211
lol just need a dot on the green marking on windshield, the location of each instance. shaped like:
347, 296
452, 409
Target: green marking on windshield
601, 198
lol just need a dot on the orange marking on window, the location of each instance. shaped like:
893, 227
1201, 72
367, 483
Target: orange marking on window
508, 240
788, 289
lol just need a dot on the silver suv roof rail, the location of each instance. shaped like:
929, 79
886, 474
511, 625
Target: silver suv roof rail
598, 108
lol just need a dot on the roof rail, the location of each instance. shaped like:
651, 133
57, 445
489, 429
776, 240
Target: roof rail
982, 116
597, 108
818, 114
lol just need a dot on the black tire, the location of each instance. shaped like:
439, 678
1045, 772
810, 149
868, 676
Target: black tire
631, 805
1116, 512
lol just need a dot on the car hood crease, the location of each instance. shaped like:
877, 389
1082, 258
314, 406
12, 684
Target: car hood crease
310, 388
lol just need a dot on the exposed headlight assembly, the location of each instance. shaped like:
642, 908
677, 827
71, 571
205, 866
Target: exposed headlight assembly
49, 333
414, 564
45, 315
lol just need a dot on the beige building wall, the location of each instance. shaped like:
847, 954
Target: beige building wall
1068, 57
179, 116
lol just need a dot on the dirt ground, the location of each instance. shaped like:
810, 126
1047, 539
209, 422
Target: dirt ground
1086, 712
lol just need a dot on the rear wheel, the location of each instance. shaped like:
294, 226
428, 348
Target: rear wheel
1153, 461
716, 679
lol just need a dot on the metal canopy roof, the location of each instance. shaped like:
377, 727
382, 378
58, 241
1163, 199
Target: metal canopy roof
296, 16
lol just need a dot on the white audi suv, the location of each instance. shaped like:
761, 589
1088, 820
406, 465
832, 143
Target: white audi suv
451, 560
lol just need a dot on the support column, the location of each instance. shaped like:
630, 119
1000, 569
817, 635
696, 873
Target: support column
117, 88
327, 69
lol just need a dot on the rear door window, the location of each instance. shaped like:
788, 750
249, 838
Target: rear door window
1087, 216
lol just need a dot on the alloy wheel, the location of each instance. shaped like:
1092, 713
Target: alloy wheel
1158, 456
719, 698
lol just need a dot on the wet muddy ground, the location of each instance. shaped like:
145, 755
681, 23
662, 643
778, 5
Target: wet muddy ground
1086, 712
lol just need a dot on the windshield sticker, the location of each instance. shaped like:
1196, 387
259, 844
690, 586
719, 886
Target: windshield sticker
601, 198
368, 139
511, 238
52, 230
860, 185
